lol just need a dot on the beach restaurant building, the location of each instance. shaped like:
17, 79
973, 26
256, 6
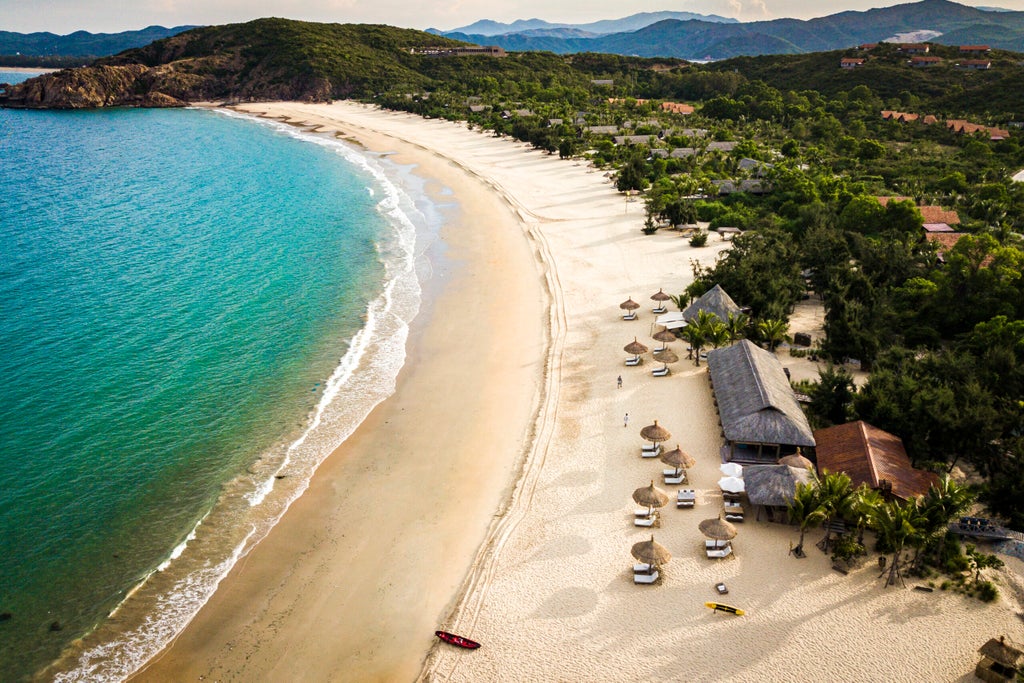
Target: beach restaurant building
761, 419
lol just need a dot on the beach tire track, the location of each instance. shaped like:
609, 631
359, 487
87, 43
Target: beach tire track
441, 663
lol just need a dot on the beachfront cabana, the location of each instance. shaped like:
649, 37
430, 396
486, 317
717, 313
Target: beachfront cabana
716, 301
773, 487
1001, 660
761, 419
871, 456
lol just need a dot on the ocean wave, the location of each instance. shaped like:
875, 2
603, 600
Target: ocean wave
169, 597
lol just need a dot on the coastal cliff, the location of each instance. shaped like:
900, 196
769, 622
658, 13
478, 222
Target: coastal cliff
266, 59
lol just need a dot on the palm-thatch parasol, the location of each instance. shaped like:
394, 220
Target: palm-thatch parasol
731, 469
731, 484
655, 433
661, 297
636, 348
678, 458
651, 496
664, 335
797, 460
667, 356
629, 305
651, 552
718, 529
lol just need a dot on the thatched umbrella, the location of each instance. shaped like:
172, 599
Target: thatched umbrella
655, 433
651, 496
731, 484
664, 335
667, 356
651, 552
636, 348
629, 305
678, 458
661, 297
718, 529
797, 460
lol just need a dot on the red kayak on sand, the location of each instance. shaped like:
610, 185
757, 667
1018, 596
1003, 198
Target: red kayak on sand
457, 640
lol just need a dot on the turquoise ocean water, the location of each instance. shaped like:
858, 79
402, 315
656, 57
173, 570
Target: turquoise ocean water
195, 309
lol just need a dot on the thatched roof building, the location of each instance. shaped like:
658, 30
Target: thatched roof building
760, 416
716, 301
872, 456
1001, 660
773, 485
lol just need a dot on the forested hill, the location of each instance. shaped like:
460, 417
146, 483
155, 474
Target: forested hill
694, 39
81, 43
269, 59
273, 59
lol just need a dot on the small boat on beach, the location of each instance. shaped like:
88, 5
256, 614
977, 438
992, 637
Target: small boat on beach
458, 641
719, 607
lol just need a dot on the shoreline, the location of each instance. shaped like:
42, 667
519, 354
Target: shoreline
332, 517
553, 566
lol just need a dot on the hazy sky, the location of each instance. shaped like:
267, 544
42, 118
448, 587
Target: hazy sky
65, 16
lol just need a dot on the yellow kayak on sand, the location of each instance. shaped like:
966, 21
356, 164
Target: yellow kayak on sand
719, 607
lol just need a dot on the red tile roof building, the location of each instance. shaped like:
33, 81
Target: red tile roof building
873, 457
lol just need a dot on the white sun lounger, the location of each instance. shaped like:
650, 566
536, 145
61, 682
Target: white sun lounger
634, 361
646, 578
646, 521
643, 512
630, 316
659, 310
686, 498
650, 452
672, 479
642, 568
712, 544
660, 372
718, 554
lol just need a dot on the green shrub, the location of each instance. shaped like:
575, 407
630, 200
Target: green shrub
847, 548
987, 591
699, 239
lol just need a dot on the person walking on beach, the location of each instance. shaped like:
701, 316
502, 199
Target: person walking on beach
620, 381
625, 420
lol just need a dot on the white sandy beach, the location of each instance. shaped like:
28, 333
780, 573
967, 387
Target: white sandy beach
439, 530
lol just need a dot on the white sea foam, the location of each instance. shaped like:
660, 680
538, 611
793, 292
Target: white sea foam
166, 600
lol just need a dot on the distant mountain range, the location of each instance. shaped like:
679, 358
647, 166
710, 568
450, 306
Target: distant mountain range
81, 43
700, 38
539, 27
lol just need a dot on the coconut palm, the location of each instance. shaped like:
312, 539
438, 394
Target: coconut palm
806, 511
866, 499
737, 324
837, 500
680, 300
695, 336
896, 523
940, 505
978, 561
773, 331
717, 334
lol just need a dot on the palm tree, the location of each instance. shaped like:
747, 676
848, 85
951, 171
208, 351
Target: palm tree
835, 493
940, 505
979, 561
773, 331
716, 333
695, 335
806, 511
896, 523
680, 300
736, 324
866, 499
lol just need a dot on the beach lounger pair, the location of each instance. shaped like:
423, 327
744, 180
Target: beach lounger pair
659, 310
719, 553
660, 372
634, 361
644, 573
733, 511
686, 498
648, 451
646, 520
673, 478
630, 316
